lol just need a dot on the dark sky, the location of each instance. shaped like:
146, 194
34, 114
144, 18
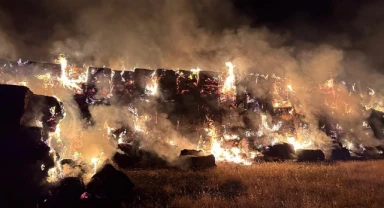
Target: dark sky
34, 26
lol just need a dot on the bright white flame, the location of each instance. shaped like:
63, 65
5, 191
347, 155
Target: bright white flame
299, 145
195, 72
290, 87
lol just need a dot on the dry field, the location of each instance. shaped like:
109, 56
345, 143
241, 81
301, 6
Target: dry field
342, 184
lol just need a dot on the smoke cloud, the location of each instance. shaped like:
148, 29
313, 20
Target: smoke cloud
123, 34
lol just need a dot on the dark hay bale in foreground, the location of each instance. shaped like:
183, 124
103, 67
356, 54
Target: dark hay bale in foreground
109, 183
283, 151
308, 155
66, 193
340, 154
14, 101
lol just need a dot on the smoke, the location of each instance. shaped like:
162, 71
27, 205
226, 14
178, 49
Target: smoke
206, 34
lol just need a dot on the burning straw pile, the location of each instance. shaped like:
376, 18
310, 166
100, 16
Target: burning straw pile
87, 120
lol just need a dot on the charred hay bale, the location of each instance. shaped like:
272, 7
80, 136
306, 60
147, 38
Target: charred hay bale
283, 151
307, 155
109, 183
197, 162
340, 154
186, 152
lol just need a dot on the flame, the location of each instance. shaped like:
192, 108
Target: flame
64, 78
171, 142
23, 83
229, 87
152, 86
95, 161
236, 154
299, 145
290, 88
48, 80
195, 72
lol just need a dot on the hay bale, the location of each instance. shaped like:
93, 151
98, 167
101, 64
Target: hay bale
110, 183
167, 85
131, 156
283, 151
197, 162
308, 155
371, 152
186, 152
376, 121
340, 154
14, 101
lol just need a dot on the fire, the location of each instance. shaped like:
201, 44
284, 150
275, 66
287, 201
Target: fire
23, 83
67, 82
290, 87
229, 87
47, 78
299, 145
196, 73
152, 86
235, 154
96, 162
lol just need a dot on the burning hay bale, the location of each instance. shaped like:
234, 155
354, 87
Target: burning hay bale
280, 152
308, 155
